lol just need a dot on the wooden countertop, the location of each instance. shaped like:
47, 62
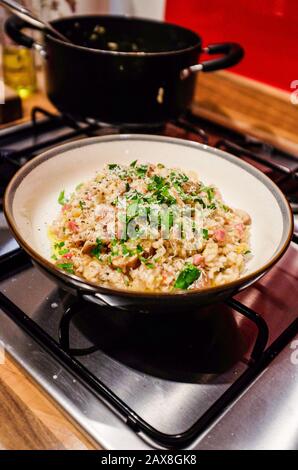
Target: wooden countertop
28, 417
252, 107
29, 420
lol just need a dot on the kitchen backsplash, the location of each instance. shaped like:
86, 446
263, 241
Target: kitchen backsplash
51, 9
266, 28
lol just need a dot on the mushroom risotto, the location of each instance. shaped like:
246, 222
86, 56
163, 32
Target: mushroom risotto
145, 227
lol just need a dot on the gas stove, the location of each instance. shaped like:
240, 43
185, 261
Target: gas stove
226, 383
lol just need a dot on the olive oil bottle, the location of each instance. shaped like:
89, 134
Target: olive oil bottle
19, 69
18, 64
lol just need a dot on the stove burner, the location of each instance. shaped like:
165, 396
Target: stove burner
207, 341
210, 336
201, 351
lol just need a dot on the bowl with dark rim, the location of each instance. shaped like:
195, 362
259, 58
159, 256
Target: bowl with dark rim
30, 205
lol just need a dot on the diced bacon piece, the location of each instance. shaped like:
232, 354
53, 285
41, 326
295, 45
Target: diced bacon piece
240, 229
73, 226
167, 278
219, 235
67, 256
66, 207
198, 260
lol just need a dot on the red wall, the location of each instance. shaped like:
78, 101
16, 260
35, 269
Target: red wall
267, 29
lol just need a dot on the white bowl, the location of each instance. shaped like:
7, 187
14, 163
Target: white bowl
31, 200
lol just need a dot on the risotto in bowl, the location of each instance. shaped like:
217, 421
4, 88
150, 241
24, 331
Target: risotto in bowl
146, 227
148, 222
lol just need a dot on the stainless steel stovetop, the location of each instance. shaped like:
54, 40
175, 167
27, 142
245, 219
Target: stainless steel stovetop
135, 386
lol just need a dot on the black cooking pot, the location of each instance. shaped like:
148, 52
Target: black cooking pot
123, 70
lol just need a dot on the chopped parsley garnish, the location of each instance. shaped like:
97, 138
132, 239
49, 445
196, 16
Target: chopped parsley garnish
63, 252
160, 188
149, 265
141, 170
133, 164
165, 197
126, 251
178, 188
146, 262
54, 257
61, 198
209, 191
247, 252
113, 166
157, 183
68, 267
200, 201
205, 234
187, 277
59, 245
178, 178
225, 208
122, 175
115, 251
97, 249
81, 204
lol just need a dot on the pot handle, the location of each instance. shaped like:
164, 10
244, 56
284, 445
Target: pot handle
13, 28
232, 55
